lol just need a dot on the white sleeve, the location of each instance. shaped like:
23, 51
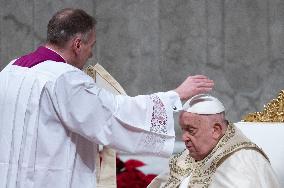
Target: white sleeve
141, 124
245, 169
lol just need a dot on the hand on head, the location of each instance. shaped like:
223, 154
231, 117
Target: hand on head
194, 85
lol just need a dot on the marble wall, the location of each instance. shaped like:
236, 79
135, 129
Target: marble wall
151, 46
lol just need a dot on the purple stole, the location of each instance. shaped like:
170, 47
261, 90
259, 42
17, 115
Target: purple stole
40, 55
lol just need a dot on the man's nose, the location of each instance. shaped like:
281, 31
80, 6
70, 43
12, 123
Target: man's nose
185, 136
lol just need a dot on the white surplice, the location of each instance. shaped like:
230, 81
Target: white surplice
53, 116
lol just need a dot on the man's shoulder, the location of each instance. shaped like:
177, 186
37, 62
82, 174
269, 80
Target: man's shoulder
54, 68
54, 71
245, 157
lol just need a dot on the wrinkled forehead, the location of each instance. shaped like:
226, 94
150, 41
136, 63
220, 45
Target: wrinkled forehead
192, 119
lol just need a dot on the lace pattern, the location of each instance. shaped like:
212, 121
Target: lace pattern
159, 116
155, 142
158, 130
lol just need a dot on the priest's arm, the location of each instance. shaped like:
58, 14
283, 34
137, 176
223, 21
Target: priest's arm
141, 124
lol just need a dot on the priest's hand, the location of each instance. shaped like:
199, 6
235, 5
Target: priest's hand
194, 85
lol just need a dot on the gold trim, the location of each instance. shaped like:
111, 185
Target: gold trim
98, 69
272, 112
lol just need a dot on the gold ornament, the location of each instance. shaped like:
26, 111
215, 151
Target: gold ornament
272, 112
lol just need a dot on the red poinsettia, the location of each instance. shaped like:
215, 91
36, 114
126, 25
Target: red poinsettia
128, 176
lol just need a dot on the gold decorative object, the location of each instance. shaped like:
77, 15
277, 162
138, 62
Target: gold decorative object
90, 71
273, 111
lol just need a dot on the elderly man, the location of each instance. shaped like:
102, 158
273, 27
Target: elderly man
53, 115
217, 153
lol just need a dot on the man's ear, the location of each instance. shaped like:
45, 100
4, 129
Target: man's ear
76, 45
217, 131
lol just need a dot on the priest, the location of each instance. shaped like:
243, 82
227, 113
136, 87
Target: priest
217, 153
53, 115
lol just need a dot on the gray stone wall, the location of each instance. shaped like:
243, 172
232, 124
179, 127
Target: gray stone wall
152, 45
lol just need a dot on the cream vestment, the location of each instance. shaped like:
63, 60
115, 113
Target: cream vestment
235, 162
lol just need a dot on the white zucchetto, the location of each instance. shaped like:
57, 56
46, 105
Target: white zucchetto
203, 104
